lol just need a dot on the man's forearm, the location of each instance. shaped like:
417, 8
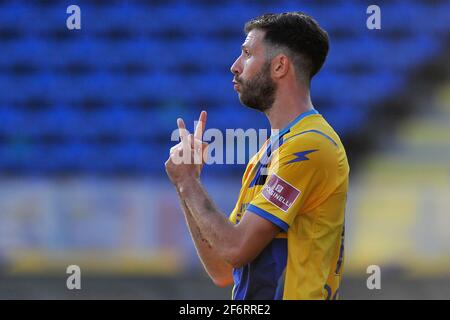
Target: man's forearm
218, 270
220, 234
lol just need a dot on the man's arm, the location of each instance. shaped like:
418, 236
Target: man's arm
236, 244
218, 270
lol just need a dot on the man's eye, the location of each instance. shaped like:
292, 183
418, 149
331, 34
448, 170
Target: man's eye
247, 53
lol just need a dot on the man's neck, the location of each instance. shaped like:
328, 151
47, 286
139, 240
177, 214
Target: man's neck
284, 111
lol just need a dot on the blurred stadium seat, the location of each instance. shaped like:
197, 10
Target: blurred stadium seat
146, 57
406, 184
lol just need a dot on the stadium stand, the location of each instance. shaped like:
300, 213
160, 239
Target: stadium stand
111, 91
407, 184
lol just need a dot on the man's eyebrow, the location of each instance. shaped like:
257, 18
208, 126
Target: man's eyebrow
244, 47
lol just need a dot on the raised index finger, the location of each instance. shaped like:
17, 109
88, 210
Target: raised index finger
200, 126
182, 129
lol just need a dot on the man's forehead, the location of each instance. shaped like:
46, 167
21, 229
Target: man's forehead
253, 38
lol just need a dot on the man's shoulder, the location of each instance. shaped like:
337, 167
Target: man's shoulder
316, 141
310, 139
314, 129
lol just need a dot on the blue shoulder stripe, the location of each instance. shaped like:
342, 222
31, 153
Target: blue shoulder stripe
314, 131
268, 216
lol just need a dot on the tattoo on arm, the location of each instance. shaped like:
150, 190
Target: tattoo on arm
202, 238
197, 229
208, 205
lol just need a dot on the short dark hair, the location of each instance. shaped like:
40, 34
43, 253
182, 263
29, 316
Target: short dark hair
297, 32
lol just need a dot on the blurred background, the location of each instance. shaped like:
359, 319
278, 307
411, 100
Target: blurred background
86, 118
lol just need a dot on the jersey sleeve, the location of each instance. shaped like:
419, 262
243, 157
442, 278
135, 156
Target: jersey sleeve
298, 177
233, 215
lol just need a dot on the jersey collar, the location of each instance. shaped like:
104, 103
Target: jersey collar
294, 122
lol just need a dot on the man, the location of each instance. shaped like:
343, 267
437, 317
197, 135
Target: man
284, 239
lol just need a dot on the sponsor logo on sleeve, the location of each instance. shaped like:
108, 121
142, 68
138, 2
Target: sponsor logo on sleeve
280, 193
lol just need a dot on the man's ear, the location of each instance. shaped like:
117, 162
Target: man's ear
280, 66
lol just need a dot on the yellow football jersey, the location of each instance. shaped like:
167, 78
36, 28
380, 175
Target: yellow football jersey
298, 181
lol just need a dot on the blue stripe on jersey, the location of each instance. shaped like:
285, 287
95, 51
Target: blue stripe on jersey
260, 279
267, 215
263, 163
315, 131
260, 178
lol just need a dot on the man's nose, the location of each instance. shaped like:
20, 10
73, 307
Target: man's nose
235, 68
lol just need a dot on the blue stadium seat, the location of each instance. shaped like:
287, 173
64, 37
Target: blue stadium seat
149, 63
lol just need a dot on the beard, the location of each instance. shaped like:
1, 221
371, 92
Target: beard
259, 92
